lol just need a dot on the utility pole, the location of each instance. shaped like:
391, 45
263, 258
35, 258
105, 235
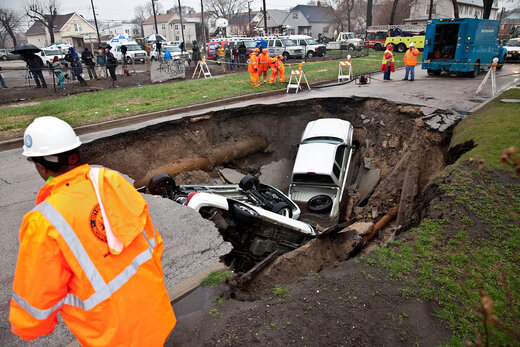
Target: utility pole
265, 19
182, 26
203, 26
155, 19
249, 16
95, 21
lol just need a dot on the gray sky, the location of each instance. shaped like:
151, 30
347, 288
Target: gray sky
124, 9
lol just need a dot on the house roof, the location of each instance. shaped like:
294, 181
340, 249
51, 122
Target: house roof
478, 3
242, 18
278, 16
315, 14
38, 28
161, 18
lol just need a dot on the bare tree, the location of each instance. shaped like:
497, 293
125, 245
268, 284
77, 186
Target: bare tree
488, 4
44, 12
225, 8
369, 12
342, 12
10, 22
143, 12
455, 8
185, 10
383, 9
392, 14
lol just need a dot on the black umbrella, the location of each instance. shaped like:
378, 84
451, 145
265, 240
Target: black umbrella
25, 48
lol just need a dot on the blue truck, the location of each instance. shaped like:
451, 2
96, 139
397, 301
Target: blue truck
461, 46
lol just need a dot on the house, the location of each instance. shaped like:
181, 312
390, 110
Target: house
310, 20
239, 24
162, 25
419, 10
275, 19
69, 28
112, 28
169, 26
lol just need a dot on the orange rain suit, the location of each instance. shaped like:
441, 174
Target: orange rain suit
253, 69
410, 57
263, 63
105, 297
276, 67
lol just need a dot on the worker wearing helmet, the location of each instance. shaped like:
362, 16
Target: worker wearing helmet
253, 67
410, 60
88, 250
263, 65
388, 63
277, 67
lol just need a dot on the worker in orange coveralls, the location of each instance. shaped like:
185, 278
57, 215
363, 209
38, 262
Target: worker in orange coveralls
88, 250
253, 67
277, 67
263, 65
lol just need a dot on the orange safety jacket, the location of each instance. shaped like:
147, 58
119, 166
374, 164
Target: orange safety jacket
253, 63
263, 61
106, 297
410, 57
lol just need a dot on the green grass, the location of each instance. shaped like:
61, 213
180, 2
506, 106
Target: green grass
281, 290
493, 128
90, 108
216, 277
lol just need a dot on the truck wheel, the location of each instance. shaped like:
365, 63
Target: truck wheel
401, 48
378, 47
320, 203
310, 54
351, 47
161, 184
249, 182
434, 72
283, 209
152, 59
286, 56
476, 69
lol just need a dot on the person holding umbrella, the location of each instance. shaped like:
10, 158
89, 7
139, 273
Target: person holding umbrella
35, 65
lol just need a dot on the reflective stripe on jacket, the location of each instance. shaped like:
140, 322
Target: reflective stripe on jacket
410, 57
386, 56
263, 61
253, 63
64, 265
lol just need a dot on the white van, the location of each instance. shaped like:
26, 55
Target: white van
48, 54
281, 45
311, 48
134, 53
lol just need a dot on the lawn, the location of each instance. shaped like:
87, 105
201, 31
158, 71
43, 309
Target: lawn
467, 247
89, 108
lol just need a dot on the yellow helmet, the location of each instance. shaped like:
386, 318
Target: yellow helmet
257, 49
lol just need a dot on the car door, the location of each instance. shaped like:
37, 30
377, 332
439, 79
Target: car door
279, 49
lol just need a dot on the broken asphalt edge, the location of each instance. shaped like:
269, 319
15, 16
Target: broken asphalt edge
180, 290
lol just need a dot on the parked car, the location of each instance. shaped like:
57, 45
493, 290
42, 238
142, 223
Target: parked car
48, 55
175, 51
134, 53
512, 47
255, 218
6, 54
310, 47
321, 169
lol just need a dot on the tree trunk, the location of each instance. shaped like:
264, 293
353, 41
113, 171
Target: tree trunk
348, 21
50, 27
369, 13
455, 8
13, 36
431, 9
488, 4
392, 15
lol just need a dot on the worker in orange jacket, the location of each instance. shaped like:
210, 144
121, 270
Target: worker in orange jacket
88, 250
263, 65
410, 60
277, 67
253, 67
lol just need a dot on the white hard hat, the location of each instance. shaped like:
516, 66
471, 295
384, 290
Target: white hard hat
49, 136
412, 44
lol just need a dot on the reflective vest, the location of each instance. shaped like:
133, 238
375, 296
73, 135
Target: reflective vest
263, 61
106, 296
253, 63
386, 54
410, 57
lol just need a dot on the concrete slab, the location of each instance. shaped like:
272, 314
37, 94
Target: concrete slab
277, 174
368, 183
231, 175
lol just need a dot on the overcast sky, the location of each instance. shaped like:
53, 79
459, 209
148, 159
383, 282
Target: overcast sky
124, 9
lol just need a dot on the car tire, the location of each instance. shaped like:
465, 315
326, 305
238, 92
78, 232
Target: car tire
152, 59
320, 203
4, 57
161, 184
128, 60
283, 209
310, 54
249, 182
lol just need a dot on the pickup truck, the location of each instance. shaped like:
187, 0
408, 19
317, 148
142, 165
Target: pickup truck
321, 168
346, 41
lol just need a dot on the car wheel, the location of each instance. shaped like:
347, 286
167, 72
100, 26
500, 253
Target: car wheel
161, 184
4, 57
128, 60
283, 209
310, 54
152, 59
320, 203
249, 182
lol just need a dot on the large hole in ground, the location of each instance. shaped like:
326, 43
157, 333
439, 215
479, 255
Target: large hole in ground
394, 143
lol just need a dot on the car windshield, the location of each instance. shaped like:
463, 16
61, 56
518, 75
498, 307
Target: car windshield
52, 52
134, 47
311, 42
288, 42
250, 44
515, 43
323, 139
171, 49
351, 36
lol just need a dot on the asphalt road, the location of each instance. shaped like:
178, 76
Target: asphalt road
191, 243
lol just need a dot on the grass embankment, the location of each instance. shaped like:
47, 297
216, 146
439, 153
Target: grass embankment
469, 239
89, 108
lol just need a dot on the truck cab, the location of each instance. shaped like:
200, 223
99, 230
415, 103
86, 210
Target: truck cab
311, 48
461, 46
346, 40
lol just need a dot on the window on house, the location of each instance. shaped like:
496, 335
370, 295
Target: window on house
171, 26
325, 29
176, 26
295, 15
77, 27
127, 31
163, 27
184, 26
177, 38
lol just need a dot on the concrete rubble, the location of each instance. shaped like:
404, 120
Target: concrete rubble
440, 120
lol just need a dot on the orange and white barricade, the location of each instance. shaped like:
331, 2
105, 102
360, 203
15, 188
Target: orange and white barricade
298, 75
344, 67
492, 73
202, 68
